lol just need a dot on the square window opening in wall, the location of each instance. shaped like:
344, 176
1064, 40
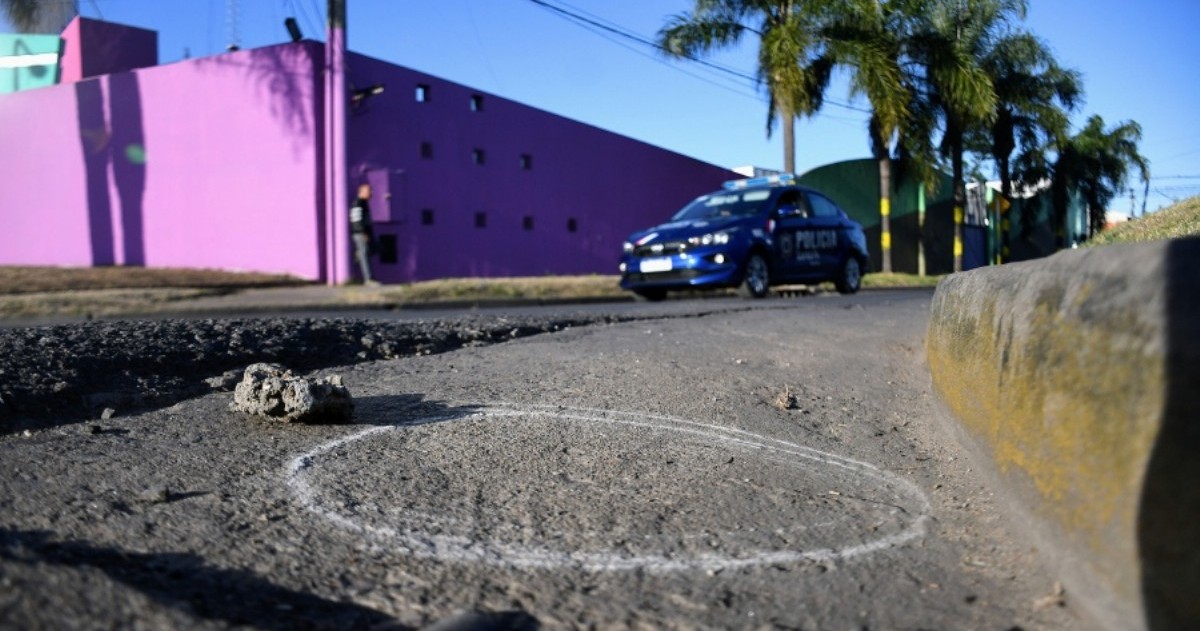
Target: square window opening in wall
427, 150
572, 225
422, 93
480, 220
527, 222
427, 217
476, 103
478, 156
526, 162
387, 249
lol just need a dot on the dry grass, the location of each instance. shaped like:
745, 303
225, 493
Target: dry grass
897, 279
27, 292
30, 280
1178, 220
535, 287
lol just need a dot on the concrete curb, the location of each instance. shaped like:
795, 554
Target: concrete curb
1077, 380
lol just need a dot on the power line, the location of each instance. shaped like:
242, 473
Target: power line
577, 17
298, 9
627, 34
607, 33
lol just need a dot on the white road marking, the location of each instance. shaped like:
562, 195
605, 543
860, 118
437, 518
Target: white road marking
452, 547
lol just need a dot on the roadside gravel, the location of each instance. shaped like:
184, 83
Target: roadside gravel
68, 373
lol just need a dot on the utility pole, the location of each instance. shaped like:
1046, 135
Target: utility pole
337, 253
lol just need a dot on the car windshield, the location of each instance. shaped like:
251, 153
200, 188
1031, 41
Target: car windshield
731, 204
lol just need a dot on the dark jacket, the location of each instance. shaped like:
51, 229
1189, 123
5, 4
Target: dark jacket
360, 217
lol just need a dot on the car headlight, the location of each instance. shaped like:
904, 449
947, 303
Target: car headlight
628, 247
712, 238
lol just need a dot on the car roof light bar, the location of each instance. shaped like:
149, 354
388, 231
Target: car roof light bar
781, 179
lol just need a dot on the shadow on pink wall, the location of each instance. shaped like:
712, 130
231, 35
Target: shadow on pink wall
117, 149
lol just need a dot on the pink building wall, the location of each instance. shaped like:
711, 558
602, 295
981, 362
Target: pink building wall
218, 162
209, 163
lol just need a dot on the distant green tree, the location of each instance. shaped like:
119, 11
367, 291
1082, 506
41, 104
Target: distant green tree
793, 62
949, 43
1035, 97
1096, 163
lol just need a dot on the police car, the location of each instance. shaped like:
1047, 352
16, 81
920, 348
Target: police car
752, 234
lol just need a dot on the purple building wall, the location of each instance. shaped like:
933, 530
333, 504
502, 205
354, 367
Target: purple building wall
554, 196
95, 48
218, 162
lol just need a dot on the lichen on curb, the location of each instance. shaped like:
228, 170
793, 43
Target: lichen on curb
1056, 370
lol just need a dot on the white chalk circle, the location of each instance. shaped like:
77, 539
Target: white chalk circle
548, 486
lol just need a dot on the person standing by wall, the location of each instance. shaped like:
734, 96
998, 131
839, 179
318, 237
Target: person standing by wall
362, 233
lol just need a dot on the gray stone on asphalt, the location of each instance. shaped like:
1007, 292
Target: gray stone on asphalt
273, 391
156, 494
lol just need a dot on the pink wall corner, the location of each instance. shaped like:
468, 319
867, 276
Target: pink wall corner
71, 62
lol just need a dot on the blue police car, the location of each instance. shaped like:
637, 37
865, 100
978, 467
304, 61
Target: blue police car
752, 234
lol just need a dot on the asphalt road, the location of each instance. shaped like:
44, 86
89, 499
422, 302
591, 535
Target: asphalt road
720, 464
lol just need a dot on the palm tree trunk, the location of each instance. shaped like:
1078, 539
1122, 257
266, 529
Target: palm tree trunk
960, 194
1006, 193
885, 211
788, 120
920, 229
880, 149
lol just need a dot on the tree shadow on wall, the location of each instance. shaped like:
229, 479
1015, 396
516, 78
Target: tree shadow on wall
1169, 515
286, 76
114, 146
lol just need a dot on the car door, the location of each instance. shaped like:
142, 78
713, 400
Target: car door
822, 234
790, 218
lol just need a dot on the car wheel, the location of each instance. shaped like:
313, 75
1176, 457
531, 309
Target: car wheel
650, 295
756, 277
850, 279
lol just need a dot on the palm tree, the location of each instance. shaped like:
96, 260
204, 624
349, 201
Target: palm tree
1095, 163
21, 14
1035, 97
950, 43
792, 63
38, 16
867, 38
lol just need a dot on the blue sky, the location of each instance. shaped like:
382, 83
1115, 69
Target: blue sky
1135, 57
